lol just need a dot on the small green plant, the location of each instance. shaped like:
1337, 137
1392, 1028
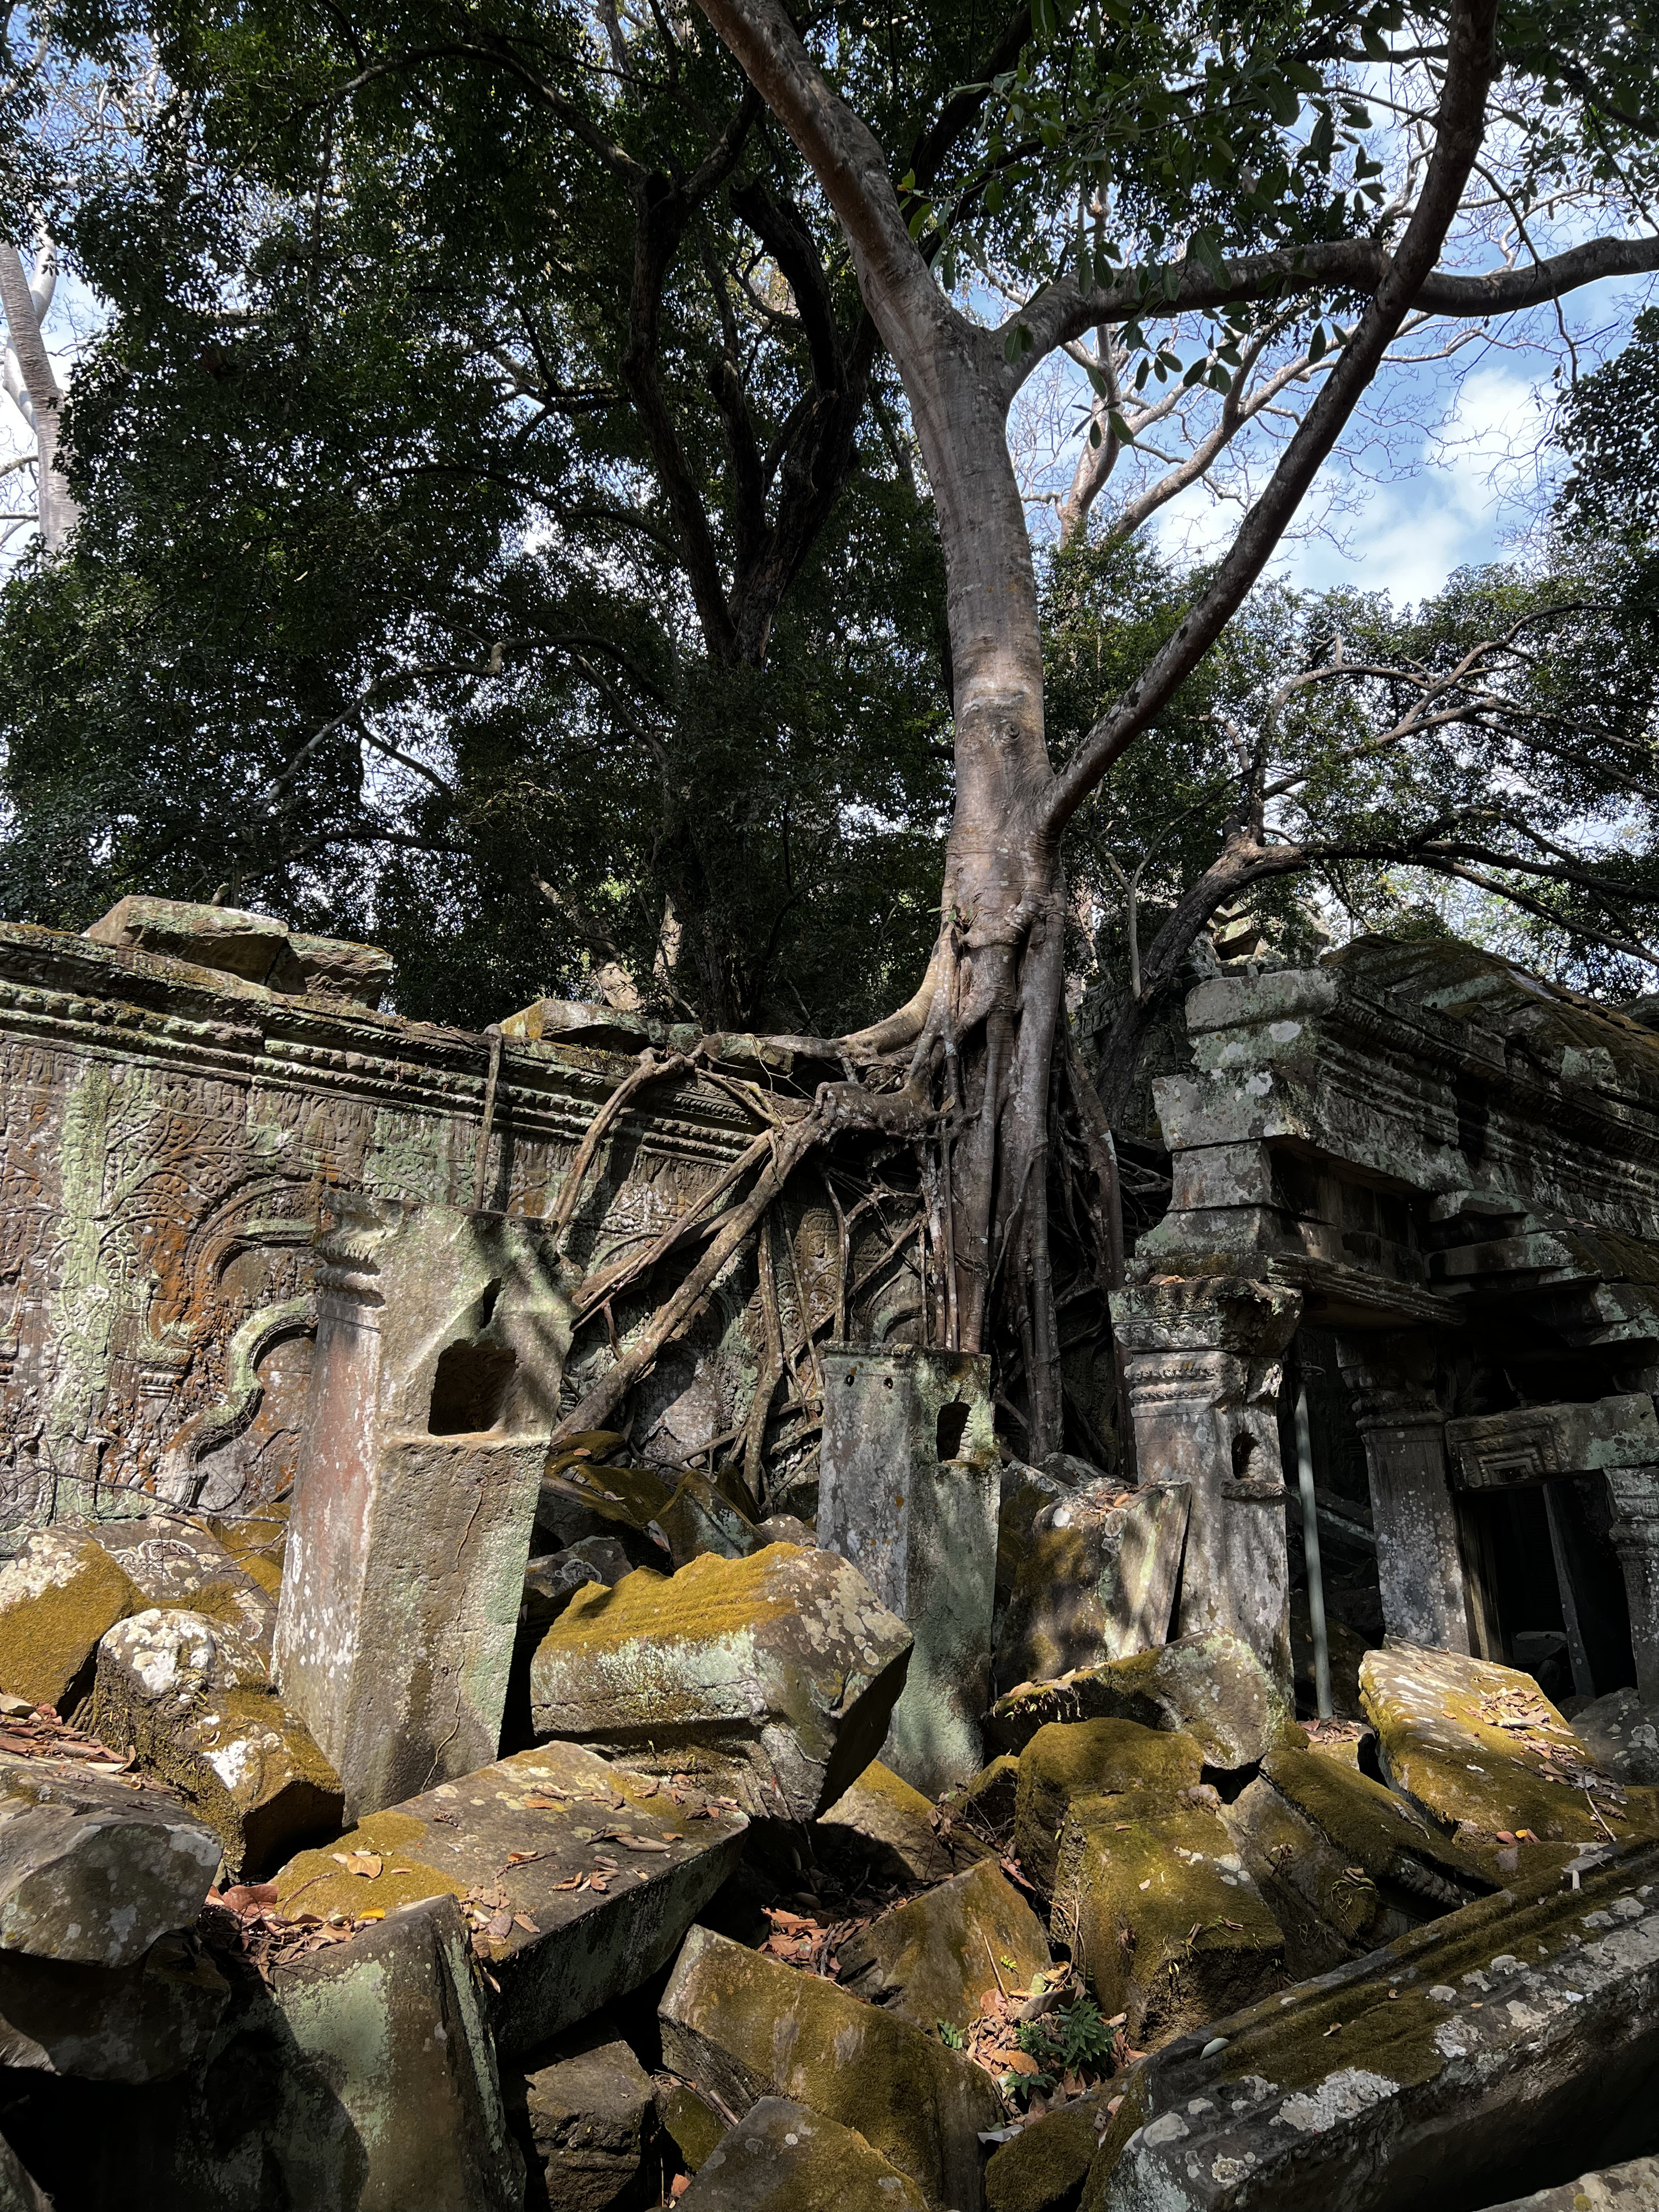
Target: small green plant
1075, 2040
951, 2037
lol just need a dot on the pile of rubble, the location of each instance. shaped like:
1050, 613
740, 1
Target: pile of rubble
697, 1939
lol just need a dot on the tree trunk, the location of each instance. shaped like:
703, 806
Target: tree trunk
58, 513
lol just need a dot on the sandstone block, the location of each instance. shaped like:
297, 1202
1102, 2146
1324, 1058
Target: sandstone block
257, 1543
1454, 2066
692, 2122
1633, 2187
582, 1877
171, 1561
1622, 1736
167, 1686
781, 2157
934, 1958
592, 2113
92, 1872
746, 2027
58, 1596
1137, 1770
1024, 1494
1344, 1864
1482, 1750
1045, 2166
1164, 1920
771, 1678
882, 1816
1097, 1582
1212, 1687
148, 2021
227, 938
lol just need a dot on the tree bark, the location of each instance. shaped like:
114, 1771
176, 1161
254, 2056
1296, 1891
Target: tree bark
58, 512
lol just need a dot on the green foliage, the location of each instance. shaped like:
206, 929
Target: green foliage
951, 2037
1071, 2040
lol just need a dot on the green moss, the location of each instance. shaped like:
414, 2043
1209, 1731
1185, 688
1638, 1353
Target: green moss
315, 1881
1065, 1762
710, 1600
50, 1628
694, 2125
1044, 2167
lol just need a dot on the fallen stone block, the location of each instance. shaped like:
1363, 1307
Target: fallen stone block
1044, 2167
1161, 1917
907, 1839
580, 1877
1483, 1751
148, 2021
781, 2157
770, 1678
934, 1958
91, 1871
174, 1562
1212, 1687
697, 1519
988, 1800
1344, 1864
746, 2027
1633, 2187
257, 1543
1025, 1493
361, 2081
58, 1596
591, 2115
1098, 1581
165, 1686
1134, 1770
1458, 2065
1621, 1734
689, 2120
582, 1495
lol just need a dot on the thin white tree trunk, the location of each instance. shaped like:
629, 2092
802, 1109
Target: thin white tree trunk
56, 508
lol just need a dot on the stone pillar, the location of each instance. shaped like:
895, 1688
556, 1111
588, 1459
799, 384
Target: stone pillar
1634, 1492
1203, 1360
908, 1491
441, 1341
1426, 1593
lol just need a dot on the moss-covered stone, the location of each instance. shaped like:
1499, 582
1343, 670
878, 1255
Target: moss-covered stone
1482, 1750
1343, 1863
1096, 1581
1068, 1760
691, 2120
257, 1543
987, 1800
167, 1687
58, 1597
781, 2157
1631, 2187
1163, 1919
591, 2114
177, 1562
599, 1870
938, 1957
1212, 1687
904, 1835
746, 2027
770, 1678
1044, 2167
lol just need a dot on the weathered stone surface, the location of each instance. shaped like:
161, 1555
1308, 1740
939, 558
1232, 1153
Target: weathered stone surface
91, 1871
543, 1829
1044, 2167
1633, 2187
1210, 1687
1482, 1750
781, 2157
549, 1583
257, 1541
909, 1490
222, 937
1137, 1770
934, 1958
987, 1802
171, 1561
335, 968
364, 2080
883, 1812
697, 1519
442, 1336
1025, 1493
167, 1686
143, 2022
58, 1596
1621, 1734
1097, 1582
19, 2191
1164, 1920
592, 2112
1463, 2062
771, 1678
1343, 1864
747, 2027
692, 2122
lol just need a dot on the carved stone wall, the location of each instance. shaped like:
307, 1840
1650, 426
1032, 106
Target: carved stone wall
171, 1137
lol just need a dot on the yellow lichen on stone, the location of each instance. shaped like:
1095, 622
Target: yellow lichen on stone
713, 1598
58, 1597
1067, 1761
318, 1881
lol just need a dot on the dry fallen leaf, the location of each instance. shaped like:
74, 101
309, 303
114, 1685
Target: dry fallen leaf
540, 1804
367, 1863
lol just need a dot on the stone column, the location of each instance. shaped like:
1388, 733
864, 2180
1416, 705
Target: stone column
1426, 1594
1203, 1359
1634, 1492
908, 1491
441, 1341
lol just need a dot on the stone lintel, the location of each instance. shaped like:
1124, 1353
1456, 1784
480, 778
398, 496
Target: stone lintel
1540, 1443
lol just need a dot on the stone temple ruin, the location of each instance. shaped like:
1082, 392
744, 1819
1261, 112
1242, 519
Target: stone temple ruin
407, 1806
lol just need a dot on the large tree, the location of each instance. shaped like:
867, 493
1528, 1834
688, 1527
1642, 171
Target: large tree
1241, 166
